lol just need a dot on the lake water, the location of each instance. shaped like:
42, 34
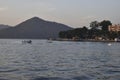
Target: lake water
59, 60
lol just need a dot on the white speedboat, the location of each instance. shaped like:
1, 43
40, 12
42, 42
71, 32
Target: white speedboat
49, 40
26, 41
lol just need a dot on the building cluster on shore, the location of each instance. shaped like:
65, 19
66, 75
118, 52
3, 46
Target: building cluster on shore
115, 28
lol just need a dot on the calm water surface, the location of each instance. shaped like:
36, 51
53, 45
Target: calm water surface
59, 60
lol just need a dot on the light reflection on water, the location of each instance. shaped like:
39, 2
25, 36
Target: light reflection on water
59, 60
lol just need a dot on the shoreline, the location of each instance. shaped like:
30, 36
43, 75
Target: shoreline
85, 40
79, 40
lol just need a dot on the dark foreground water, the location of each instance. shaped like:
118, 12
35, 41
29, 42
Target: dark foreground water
59, 60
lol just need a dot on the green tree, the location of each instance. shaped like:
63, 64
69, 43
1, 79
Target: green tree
113, 35
81, 33
105, 24
94, 25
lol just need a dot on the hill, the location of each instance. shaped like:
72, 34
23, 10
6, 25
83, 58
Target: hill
4, 26
34, 28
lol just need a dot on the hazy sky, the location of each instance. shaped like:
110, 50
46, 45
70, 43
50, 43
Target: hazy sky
76, 13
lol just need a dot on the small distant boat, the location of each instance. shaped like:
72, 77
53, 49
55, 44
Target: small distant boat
26, 41
49, 40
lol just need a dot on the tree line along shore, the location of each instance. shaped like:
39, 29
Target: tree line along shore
97, 31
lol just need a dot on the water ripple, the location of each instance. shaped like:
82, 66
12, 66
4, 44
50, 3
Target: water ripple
59, 60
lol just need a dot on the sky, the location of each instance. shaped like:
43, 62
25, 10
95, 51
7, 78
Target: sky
75, 13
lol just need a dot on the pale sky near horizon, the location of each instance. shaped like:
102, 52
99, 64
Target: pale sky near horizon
75, 13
